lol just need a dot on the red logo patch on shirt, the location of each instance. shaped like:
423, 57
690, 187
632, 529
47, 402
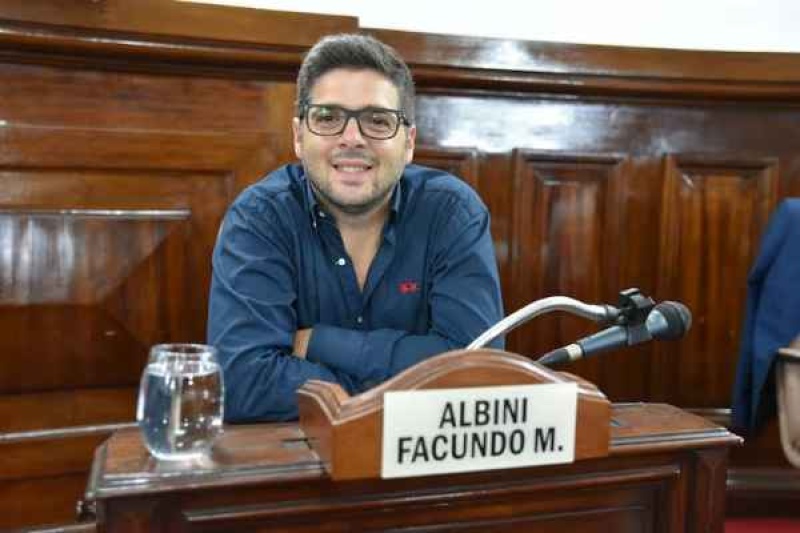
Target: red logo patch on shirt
408, 287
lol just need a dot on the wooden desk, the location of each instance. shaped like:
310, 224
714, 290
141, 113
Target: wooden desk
666, 473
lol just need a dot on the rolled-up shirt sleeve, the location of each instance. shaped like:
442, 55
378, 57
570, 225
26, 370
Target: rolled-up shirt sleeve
464, 301
252, 321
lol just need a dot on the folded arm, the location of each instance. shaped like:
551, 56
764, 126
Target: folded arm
464, 301
252, 323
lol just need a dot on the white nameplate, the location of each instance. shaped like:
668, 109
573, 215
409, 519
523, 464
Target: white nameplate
444, 431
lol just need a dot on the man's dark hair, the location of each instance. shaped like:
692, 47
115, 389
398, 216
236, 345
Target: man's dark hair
356, 52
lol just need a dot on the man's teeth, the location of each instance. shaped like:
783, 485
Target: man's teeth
349, 168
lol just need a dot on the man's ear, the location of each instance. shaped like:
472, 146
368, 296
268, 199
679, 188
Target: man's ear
411, 139
297, 137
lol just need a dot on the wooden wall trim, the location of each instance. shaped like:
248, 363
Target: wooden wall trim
460, 81
83, 49
763, 491
594, 60
162, 35
62, 433
506, 65
178, 20
764, 479
207, 39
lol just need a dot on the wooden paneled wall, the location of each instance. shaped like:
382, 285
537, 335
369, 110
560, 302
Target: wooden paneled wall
126, 128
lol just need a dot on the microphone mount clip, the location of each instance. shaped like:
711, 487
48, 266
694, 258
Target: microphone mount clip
634, 308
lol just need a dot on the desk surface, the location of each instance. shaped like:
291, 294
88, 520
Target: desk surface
275, 453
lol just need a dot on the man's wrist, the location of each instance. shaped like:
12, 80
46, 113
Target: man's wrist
301, 339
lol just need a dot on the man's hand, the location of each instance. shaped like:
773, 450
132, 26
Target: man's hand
301, 338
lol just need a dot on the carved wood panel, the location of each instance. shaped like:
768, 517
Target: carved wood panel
113, 187
568, 220
708, 502
89, 287
713, 212
461, 162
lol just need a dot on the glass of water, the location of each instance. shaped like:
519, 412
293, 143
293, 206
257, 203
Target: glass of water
180, 403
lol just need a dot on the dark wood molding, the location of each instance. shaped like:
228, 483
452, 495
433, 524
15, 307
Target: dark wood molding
459, 63
708, 503
162, 36
83, 527
165, 36
763, 491
461, 162
753, 490
764, 479
62, 433
167, 18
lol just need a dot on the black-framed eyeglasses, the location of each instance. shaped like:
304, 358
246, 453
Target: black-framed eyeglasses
374, 122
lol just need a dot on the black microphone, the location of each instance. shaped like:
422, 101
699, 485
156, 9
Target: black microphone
667, 321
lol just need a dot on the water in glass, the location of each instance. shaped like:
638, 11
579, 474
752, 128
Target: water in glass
180, 401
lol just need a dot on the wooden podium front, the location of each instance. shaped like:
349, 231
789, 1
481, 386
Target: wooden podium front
665, 472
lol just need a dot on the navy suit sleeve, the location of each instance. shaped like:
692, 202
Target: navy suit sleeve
464, 301
252, 321
772, 318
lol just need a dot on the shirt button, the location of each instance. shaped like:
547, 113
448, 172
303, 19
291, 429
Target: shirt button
360, 319
341, 262
321, 214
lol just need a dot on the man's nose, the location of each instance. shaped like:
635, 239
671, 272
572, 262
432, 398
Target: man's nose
352, 133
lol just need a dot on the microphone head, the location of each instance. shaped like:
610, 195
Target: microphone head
677, 320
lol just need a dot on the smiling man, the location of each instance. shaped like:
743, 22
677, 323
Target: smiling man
355, 264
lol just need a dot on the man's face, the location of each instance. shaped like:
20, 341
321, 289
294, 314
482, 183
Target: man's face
351, 173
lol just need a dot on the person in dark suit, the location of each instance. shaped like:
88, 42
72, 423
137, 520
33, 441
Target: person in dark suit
772, 317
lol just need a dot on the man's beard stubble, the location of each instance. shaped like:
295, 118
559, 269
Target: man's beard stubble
327, 199
350, 209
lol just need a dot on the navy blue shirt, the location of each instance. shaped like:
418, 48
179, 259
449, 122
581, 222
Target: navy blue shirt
280, 265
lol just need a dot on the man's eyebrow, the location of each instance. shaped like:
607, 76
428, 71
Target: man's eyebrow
364, 108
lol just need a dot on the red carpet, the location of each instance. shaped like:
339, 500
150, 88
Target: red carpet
762, 525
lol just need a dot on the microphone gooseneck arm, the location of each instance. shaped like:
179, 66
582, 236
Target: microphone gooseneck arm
598, 313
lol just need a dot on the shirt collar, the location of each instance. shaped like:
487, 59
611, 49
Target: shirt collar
395, 202
312, 205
